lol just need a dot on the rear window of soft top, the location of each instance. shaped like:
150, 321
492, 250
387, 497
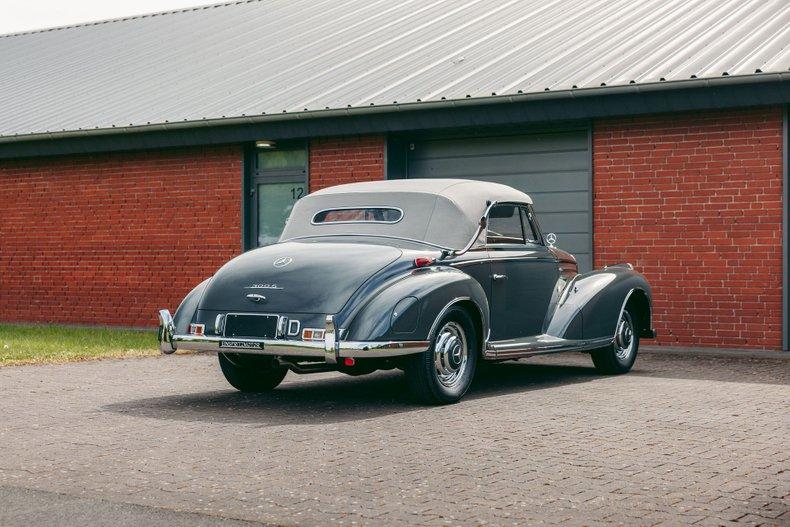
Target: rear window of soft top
358, 215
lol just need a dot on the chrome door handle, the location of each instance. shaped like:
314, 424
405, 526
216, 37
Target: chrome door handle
499, 277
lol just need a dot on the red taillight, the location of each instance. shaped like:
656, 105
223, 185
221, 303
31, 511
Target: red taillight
312, 334
423, 261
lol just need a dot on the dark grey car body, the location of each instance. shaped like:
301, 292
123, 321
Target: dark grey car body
358, 281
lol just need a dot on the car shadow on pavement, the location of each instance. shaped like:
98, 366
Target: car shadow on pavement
337, 399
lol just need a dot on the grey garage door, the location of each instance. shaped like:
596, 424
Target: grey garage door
553, 168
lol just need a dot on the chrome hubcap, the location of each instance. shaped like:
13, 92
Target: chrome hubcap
450, 354
624, 337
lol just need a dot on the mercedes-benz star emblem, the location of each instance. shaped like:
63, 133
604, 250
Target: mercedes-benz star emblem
551, 238
283, 261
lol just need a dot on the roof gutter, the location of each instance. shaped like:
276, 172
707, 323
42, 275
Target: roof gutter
578, 93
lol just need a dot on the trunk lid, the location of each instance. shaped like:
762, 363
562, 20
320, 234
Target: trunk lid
295, 277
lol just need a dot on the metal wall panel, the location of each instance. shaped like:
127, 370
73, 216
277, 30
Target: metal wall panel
554, 168
283, 58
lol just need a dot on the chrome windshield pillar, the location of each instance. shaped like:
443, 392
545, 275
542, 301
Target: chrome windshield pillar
482, 225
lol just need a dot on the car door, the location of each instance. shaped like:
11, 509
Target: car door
524, 273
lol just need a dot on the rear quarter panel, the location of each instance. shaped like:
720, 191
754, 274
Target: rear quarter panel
420, 296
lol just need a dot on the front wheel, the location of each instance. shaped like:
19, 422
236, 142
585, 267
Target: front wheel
620, 356
251, 373
442, 374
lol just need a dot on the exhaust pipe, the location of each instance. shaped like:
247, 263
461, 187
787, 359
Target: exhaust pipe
310, 367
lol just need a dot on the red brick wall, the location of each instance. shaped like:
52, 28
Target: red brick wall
694, 201
348, 159
109, 239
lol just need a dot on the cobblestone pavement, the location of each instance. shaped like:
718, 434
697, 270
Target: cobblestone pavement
683, 439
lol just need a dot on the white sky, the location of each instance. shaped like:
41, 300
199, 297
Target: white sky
24, 15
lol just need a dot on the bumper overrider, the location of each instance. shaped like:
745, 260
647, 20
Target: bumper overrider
331, 349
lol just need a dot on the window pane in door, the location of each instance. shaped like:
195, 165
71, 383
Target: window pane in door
504, 225
529, 226
275, 201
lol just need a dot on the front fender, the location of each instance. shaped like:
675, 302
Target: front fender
409, 306
186, 310
593, 302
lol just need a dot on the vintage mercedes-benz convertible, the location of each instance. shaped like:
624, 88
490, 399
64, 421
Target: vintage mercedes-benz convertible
431, 276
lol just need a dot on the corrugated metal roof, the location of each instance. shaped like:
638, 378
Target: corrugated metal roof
264, 57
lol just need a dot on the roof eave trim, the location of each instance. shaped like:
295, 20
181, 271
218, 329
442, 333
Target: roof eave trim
576, 93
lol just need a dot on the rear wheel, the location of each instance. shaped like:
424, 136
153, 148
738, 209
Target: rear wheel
442, 374
251, 373
620, 356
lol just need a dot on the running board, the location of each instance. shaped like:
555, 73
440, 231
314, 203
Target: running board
539, 345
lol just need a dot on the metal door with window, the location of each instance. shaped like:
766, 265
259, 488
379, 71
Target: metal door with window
278, 181
524, 273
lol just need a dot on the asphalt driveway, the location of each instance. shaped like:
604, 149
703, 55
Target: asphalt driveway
683, 439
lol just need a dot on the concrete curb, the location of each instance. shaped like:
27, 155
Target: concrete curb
715, 352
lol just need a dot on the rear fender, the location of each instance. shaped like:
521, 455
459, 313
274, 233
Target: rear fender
591, 304
186, 311
408, 307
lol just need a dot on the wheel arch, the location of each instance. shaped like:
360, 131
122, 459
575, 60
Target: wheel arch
474, 311
602, 295
638, 303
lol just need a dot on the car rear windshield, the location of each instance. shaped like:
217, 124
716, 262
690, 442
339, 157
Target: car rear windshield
359, 215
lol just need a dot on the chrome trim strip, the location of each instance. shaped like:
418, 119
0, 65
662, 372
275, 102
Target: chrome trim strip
649, 311
539, 345
492, 259
444, 310
467, 262
624, 265
622, 308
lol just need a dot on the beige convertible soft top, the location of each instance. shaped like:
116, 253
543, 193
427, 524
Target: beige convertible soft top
444, 212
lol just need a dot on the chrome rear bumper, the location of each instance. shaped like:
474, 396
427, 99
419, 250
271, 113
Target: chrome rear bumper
330, 349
